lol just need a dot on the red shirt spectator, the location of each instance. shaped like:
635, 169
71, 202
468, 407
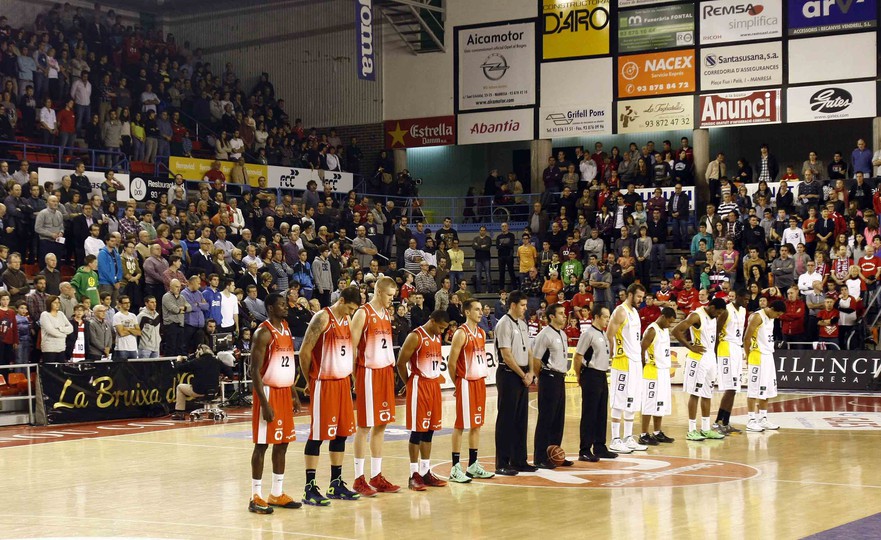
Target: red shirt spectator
66, 121
685, 300
793, 320
649, 313
582, 299
573, 333
827, 322
870, 266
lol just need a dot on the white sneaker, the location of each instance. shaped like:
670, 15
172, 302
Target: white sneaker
754, 426
633, 445
767, 424
619, 447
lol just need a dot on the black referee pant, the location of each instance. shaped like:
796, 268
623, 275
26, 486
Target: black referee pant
512, 419
551, 412
594, 409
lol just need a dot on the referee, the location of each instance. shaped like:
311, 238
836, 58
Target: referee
591, 364
514, 375
551, 348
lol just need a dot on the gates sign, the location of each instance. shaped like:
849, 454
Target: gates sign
418, 132
831, 102
740, 108
816, 16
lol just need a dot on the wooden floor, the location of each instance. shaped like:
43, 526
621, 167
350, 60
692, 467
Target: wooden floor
155, 479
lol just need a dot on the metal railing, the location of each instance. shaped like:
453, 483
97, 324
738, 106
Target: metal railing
30, 396
97, 160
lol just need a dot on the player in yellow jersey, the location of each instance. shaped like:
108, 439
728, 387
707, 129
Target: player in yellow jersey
758, 347
657, 394
729, 352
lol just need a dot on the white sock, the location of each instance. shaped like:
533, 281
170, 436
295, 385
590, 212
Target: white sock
763, 414
257, 488
616, 430
628, 428
359, 467
423, 466
375, 466
752, 415
277, 481
657, 432
705, 423
692, 424
414, 467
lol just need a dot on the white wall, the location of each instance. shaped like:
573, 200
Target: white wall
421, 85
21, 13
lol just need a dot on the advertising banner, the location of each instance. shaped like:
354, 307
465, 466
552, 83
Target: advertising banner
831, 102
148, 188
816, 16
573, 29
656, 73
419, 132
292, 178
833, 58
825, 370
667, 192
49, 174
724, 21
740, 108
571, 121
364, 23
496, 126
654, 28
574, 81
742, 66
656, 114
195, 169
496, 66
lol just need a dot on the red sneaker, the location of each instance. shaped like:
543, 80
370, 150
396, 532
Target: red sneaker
433, 481
415, 483
361, 486
380, 484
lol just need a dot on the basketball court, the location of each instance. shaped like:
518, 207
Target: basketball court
156, 478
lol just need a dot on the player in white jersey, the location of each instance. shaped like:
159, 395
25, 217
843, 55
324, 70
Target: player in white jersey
657, 394
624, 338
729, 351
758, 347
700, 366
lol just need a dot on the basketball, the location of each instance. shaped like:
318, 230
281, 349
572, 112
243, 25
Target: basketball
556, 455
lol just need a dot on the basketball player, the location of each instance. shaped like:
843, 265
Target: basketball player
700, 366
758, 347
657, 394
467, 365
731, 325
374, 384
273, 370
327, 357
623, 334
422, 351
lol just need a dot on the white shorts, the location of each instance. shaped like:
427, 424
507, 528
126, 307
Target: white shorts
730, 366
627, 388
762, 378
657, 395
699, 375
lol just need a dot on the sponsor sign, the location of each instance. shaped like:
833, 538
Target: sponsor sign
742, 66
293, 178
418, 132
576, 82
864, 420
573, 29
825, 370
147, 188
496, 66
195, 169
815, 16
667, 192
833, 58
662, 27
656, 114
48, 174
496, 126
656, 73
740, 108
633, 3
723, 21
575, 120
831, 102
364, 23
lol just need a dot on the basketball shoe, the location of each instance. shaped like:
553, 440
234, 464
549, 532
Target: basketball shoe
661, 437
633, 445
475, 470
313, 496
694, 435
649, 440
619, 447
363, 488
259, 506
430, 480
712, 434
754, 426
283, 501
381, 485
457, 474
339, 490
767, 424
415, 483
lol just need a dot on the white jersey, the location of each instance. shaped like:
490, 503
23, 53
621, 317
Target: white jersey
659, 351
706, 334
734, 327
627, 339
763, 340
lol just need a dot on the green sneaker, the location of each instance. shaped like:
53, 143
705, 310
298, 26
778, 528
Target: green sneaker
476, 471
694, 436
457, 474
710, 434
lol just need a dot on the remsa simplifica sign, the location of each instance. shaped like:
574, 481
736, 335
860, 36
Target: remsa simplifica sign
742, 66
496, 66
575, 120
833, 101
740, 108
575, 28
496, 126
815, 16
723, 21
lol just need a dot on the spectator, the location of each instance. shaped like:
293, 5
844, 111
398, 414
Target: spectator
149, 322
793, 320
100, 334
15, 281
768, 168
54, 329
195, 316
861, 159
81, 92
127, 328
174, 307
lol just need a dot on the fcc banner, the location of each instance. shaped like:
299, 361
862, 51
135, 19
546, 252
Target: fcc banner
833, 58
585, 119
572, 28
740, 108
195, 169
147, 188
656, 73
655, 28
96, 178
418, 132
742, 66
366, 57
815, 16
831, 102
656, 114
496, 126
97, 391
825, 370
724, 21
496, 66
292, 178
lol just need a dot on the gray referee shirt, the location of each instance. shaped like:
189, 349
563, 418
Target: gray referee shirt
513, 334
551, 346
594, 347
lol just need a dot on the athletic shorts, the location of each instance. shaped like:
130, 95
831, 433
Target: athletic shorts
657, 394
333, 414
281, 430
626, 393
699, 375
423, 404
375, 395
470, 403
730, 366
762, 376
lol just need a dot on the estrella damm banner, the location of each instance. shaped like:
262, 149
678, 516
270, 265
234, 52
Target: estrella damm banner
573, 28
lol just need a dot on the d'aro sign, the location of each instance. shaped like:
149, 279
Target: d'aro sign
740, 108
418, 132
571, 29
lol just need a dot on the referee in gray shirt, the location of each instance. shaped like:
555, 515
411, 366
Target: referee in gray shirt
591, 364
551, 348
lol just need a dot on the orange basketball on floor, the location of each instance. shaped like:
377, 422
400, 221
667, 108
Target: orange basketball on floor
556, 455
